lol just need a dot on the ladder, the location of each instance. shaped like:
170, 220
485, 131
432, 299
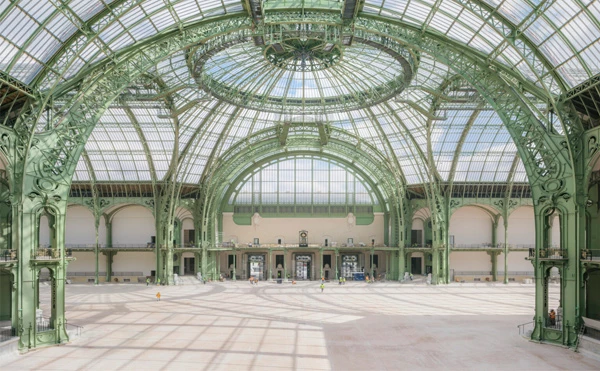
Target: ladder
579, 335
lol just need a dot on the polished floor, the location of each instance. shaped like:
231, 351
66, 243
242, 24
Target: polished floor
238, 326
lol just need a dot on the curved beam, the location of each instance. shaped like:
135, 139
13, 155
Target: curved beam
548, 162
228, 187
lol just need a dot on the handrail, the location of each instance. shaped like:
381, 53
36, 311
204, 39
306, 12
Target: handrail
44, 324
522, 327
8, 255
78, 329
7, 333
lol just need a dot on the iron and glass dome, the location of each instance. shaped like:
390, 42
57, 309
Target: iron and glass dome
304, 75
377, 76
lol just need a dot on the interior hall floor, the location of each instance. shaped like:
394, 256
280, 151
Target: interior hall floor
358, 326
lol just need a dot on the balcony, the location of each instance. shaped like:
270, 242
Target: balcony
7, 255
590, 254
48, 253
549, 253
477, 246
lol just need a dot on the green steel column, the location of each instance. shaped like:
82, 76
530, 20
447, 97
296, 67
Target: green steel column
321, 261
435, 265
109, 260
409, 261
234, 264
285, 265
541, 304
213, 260
337, 254
570, 224
372, 252
494, 258
204, 261
108, 252
388, 256
97, 251
270, 264
401, 263
60, 276
505, 219
24, 237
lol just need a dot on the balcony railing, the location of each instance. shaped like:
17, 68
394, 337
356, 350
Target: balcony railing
8, 255
549, 253
48, 253
44, 324
7, 333
478, 246
590, 254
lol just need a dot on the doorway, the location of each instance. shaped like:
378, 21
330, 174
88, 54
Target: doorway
415, 264
256, 266
303, 267
189, 265
349, 265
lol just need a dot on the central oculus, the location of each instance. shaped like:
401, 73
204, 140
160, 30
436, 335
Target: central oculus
303, 54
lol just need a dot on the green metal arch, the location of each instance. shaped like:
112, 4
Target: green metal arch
230, 187
545, 155
267, 142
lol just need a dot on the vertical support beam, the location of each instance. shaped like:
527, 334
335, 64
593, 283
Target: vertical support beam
371, 270
409, 261
321, 261
401, 262
109, 260
505, 219
270, 264
96, 250
233, 278
494, 258
337, 255
285, 258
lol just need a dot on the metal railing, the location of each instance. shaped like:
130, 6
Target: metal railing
523, 328
590, 254
8, 255
44, 324
555, 324
47, 253
478, 246
418, 246
549, 253
75, 328
7, 333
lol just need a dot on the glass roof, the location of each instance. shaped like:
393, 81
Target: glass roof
304, 75
243, 89
61, 38
402, 132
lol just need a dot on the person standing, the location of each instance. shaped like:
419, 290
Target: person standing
322, 287
147, 281
158, 296
158, 281
552, 317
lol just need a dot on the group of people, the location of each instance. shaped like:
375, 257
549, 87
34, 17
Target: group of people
253, 280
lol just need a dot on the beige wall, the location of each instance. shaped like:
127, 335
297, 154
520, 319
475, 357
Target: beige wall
521, 226
80, 228
470, 226
86, 262
470, 261
268, 230
134, 262
133, 225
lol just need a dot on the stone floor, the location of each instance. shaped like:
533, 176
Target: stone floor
238, 326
